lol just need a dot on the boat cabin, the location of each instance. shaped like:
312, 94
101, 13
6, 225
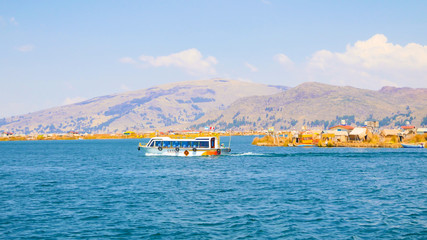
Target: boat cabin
200, 142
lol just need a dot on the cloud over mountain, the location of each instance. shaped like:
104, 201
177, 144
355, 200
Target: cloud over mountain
283, 60
190, 60
372, 63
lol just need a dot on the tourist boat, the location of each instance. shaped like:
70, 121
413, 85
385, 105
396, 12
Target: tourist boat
421, 145
199, 146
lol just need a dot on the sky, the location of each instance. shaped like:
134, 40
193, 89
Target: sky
55, 53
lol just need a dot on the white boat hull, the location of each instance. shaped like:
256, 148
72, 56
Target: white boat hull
184, 152
200, 146
412, 145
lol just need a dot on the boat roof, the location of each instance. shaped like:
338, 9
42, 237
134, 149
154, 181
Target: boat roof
181, 139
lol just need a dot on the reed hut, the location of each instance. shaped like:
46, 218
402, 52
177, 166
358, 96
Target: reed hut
389, 134
358, 134
335, 136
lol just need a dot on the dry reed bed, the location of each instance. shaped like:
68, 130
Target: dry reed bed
374, 142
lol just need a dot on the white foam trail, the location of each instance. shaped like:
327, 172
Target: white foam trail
248, 154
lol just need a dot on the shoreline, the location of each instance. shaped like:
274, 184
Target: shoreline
268, 141
55, 137
341, 145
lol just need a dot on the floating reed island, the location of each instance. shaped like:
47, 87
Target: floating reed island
360, 138
73, 135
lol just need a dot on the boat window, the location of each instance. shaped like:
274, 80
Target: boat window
167, 144
204, 144
176, 144
195, 144
151, 144
158, 143
212, 142
186, 144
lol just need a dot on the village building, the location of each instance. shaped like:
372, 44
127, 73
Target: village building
305, 138
421, 131
345, 128
6, 134
358, 134
129, 133
406, 131
390, 134
335, 136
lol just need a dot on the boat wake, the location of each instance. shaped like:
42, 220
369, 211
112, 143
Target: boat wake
248, 154
270, 155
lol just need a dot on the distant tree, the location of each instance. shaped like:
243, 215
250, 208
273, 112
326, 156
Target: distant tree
424, 121
370, 118
326, 124
385, 121
293, 122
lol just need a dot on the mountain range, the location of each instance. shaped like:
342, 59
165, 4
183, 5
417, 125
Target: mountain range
319, 105
161, 107
228, 104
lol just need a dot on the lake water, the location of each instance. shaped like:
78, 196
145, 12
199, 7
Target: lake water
92, 189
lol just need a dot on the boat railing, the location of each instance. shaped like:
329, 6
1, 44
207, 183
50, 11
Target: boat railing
191, 136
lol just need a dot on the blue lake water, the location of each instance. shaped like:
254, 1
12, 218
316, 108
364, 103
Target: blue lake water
92, 189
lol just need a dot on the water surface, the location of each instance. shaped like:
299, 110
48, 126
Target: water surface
107, 189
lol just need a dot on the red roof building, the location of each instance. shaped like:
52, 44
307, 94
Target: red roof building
407, 127
342, 128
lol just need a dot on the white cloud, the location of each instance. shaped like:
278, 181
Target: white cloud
13, 21
283, 60
251, 67
127, 60
73, 100
26, 48
371, 64
190, 60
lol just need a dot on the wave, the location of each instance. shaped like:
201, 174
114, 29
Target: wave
326, 154
247, 154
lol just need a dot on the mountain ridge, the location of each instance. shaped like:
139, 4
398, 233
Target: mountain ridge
228, 104
315, 104
144, 109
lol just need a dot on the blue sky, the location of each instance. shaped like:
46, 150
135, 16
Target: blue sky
58, 52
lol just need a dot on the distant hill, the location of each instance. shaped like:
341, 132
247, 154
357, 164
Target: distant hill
228, 104
161, 107
321, 105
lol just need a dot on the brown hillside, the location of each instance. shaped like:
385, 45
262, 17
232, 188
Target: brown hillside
321, 105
